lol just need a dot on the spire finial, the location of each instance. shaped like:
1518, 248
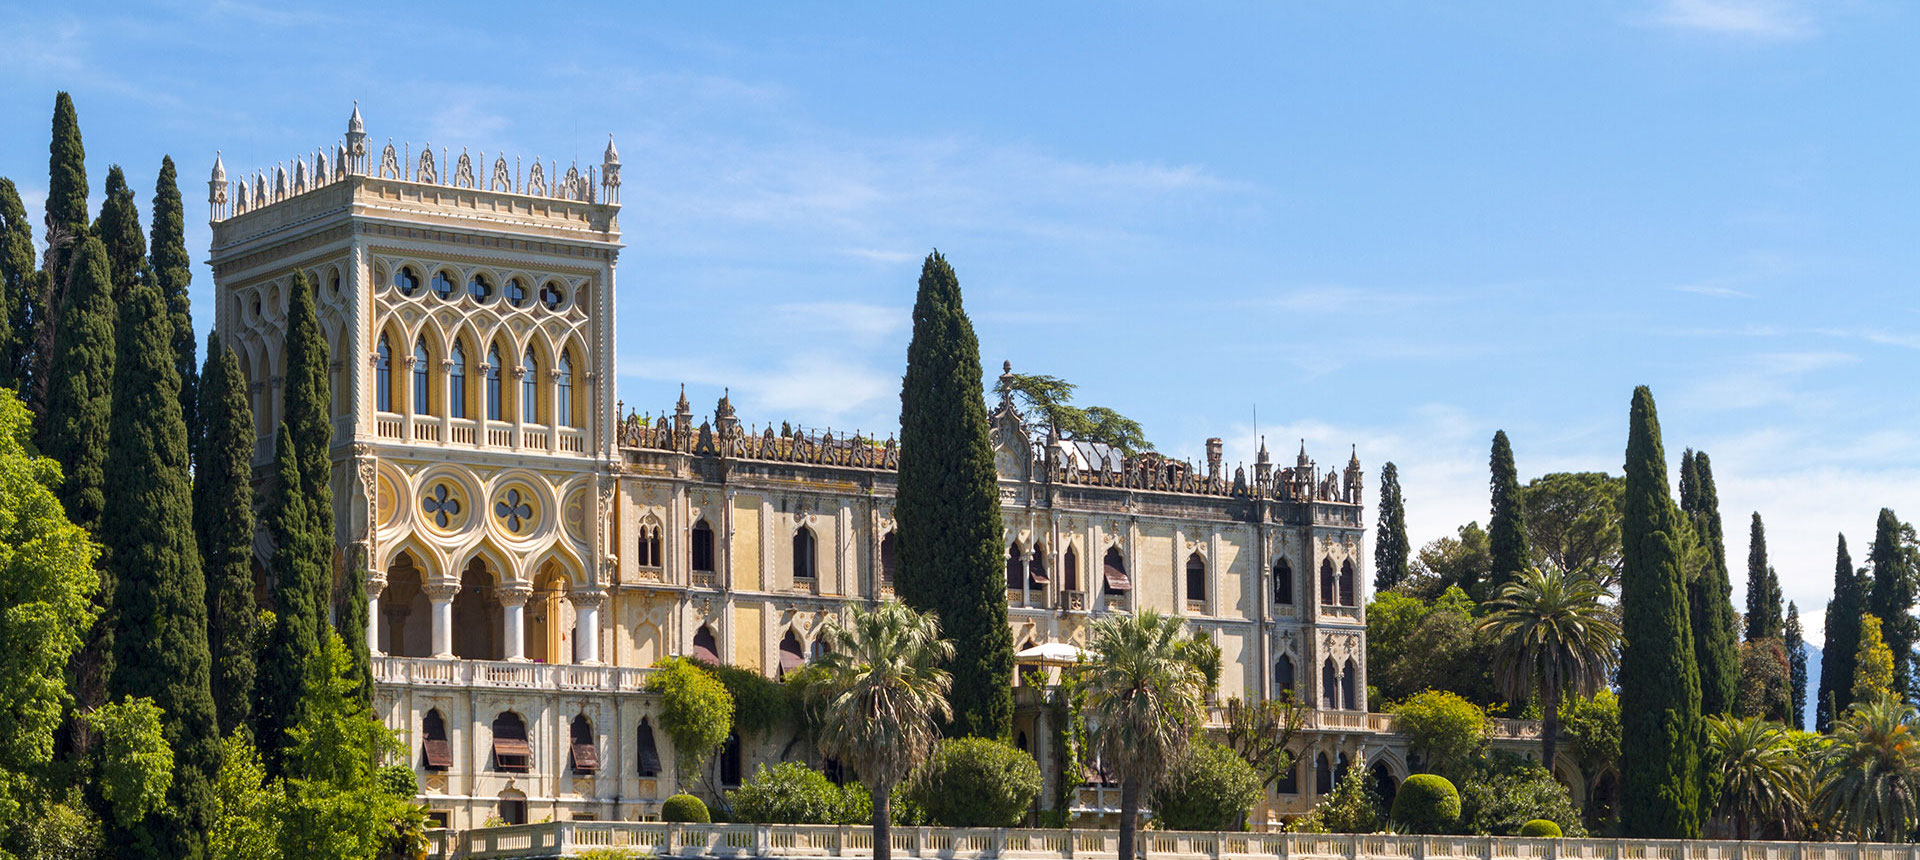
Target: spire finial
354, 123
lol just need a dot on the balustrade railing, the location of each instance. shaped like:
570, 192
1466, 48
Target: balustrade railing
502, 674
572, 838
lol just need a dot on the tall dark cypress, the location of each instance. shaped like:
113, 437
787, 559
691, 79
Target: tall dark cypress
1842, 640
119, 229
66, 225
1891, 597
949, 505
19, 289
300, 622
1763, 587
1659, 678
80, 397
1390, 547
1716, 638
1507, 530
223, 525
172, 270
1797, 665
160, 604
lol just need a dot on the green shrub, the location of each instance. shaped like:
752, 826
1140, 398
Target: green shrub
1351, 808
399, 781
792, 793
1426, 803
975, 782
696, 712
1540, 828
1445, 729
1212, 788
760, 704
1507, 790
685, 808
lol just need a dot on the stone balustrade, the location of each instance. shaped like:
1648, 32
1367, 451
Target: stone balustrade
507, 674
571, 838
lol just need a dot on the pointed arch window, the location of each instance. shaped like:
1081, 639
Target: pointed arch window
1115, 569
1283, 678
1347, 594
706, 646
649, 545
1037, 567
1283, 583
1322, 775
792, 656
1329, 686
1196, 579
586, 753
563, 391
457, 381
383, 376
1015, 568
804, 561
700, 543
889, 559
511, 752
1289, 782
493, 383
530, 389
1070, 570
1349, 683
436, 753
1328, 595
421, 374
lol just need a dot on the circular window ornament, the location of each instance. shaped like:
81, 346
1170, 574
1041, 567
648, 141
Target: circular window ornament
442, 285
441, 506
516, 292
406, 281
551, 296
480, 288
515, 511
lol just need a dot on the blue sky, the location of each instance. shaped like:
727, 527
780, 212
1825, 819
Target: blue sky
1394, 225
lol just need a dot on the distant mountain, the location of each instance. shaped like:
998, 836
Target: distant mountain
1813, 680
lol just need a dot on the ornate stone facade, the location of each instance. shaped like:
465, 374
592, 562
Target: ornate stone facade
534, 546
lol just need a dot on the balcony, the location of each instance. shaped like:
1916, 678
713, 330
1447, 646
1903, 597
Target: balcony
505, 675
473, 433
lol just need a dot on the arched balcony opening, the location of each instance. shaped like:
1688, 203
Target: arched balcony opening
478, 616
1283, 583
550, 621
1348, 593
1349, 682
700, 547
792, 657
1070, 571
406, 619
1329, 686
1016, 568
706, 646
1283, 678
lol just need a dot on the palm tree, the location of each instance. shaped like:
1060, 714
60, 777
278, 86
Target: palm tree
1145, 700
1870, 775
879, 707
1763, 777
1552, 636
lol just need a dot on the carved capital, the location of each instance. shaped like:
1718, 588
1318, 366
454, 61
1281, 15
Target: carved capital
376, 585
440, 590
514, 594
588, 599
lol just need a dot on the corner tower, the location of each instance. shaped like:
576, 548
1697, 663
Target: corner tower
468, 315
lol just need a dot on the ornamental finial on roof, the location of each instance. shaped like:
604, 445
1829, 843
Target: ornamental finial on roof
354, 123
219, 168
612, 155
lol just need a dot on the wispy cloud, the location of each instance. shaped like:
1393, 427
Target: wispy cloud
1714, 291
1763, 20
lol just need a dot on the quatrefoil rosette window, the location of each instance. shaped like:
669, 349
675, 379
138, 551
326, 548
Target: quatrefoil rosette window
444, 505
518, 512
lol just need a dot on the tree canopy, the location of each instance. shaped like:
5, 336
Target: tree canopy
1049, 403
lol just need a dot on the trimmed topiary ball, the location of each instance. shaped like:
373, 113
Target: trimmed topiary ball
1426, 803
1540, 828
685, 808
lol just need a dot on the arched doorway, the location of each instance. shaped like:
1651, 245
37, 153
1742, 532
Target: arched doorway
550, 617
1385, 786
477, 616
791, 655
406, 622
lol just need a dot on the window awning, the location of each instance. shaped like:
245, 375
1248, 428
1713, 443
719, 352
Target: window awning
649, 753
512, 747
1037, 573
790, 661
1117, 579
439, 754
702, 652
586, 759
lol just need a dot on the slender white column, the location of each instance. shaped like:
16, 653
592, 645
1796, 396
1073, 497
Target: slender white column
374, 588
586, 630
513, 602
440, 594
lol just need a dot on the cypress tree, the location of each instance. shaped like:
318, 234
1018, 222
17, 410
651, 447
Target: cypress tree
1843, 639
66, 234
1891, 598
223, 525
1716, 639
949, 505
19, 289
1507, 530
119, 229
1661, 770
80, 396
1797, 665
1763, 587
159, 608
298, 592
1390, 534
172, 270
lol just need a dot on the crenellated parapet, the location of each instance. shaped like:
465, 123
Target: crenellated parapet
352, 156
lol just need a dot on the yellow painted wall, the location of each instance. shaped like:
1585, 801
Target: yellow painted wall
747, 637
1154, 580
1231, 576
747, 575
